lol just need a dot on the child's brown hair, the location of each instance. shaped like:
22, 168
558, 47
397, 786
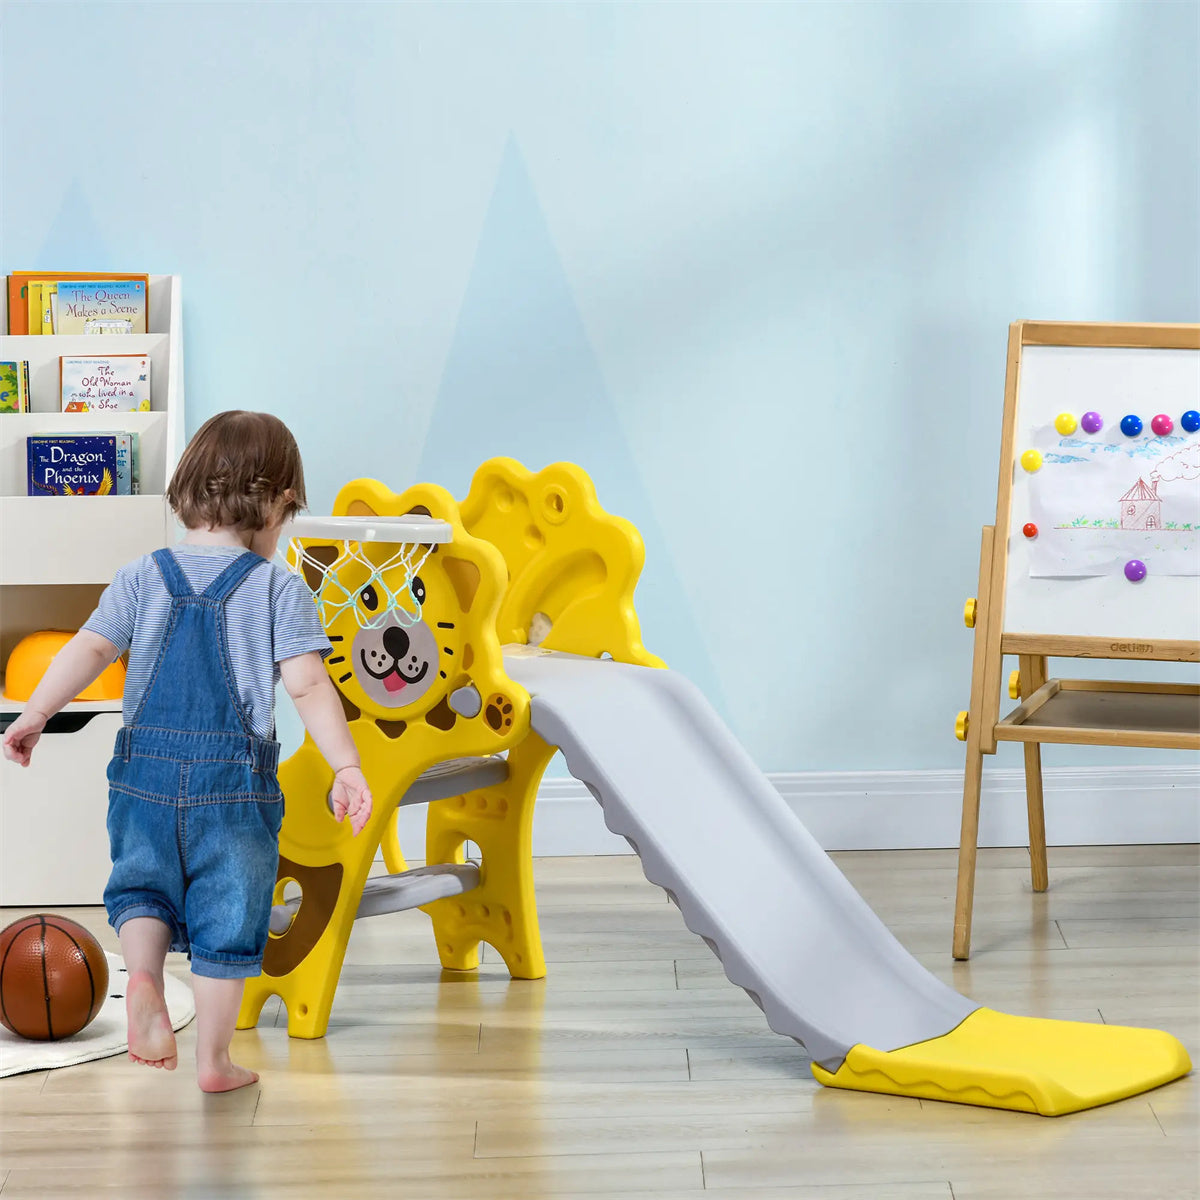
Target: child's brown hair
236, 471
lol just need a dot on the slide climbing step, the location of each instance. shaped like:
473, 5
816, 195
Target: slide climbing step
396, 893
454, 777
421, 885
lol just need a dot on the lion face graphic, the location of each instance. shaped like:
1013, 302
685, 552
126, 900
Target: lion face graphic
396, 663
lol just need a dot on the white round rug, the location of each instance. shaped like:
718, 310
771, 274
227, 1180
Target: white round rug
104, 1037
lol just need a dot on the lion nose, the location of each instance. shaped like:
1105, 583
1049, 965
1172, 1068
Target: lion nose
395, 642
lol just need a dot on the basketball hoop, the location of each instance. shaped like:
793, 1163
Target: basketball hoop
342, 558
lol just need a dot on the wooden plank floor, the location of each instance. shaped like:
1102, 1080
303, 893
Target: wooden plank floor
636, 1070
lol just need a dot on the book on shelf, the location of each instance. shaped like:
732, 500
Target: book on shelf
40, 306
30, 314
98, 306
104, 383
128, 465
14, 387
84, 464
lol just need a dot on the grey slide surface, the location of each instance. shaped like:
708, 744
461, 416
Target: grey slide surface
747, 876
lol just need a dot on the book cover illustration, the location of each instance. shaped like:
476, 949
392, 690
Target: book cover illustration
133, 485
105, 383
33, 303
72, 464
49, 302
14, 387
40, 304
128, 461
101, 306
18, 302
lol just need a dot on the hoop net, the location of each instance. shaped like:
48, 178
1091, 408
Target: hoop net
339, 571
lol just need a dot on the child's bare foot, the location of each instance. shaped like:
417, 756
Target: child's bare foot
224, 1076
151, 1039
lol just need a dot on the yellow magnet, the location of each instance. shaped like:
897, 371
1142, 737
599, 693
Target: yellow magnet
1066, 424
1031, 460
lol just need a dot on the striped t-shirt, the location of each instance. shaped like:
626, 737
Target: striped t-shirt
269, 617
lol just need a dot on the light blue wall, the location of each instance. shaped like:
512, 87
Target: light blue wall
752, 266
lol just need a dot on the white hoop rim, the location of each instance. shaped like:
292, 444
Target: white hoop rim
414, 528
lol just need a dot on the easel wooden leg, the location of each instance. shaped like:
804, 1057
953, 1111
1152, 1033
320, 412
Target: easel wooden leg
979, 722
968, 843
1033, 676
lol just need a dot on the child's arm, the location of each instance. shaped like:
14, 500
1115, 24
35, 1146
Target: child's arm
317, 702
76, 665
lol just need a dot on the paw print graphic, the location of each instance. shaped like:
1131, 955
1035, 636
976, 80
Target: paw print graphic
497, 712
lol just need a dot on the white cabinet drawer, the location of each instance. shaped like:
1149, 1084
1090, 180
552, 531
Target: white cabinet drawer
53, 836
76, 539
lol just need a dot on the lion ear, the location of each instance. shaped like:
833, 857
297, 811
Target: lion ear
364, 498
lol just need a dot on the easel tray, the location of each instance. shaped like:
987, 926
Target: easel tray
1107, 713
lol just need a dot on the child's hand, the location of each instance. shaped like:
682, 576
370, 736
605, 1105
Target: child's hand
22, 735
351, 798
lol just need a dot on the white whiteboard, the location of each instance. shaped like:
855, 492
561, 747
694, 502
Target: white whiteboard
1112, 381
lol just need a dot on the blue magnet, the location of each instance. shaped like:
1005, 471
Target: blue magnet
1131, 426
1190, 420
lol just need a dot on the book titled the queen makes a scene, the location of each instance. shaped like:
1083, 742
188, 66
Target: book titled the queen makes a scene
99, 306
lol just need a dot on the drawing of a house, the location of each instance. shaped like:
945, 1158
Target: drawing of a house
1141, 508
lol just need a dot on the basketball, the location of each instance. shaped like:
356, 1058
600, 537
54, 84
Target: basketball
53, 977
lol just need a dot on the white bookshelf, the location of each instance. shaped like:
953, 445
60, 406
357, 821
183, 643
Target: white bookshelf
57, 554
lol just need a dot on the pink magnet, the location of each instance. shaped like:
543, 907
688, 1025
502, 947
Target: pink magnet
1092, 422
1029, 530
1135, 570
1162, 424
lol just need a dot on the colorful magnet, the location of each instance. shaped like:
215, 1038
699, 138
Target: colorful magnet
1131, 425
1031, 460
1092, 422
1190, 420
1162, 424
1029, 529
1135, 570
1066, 424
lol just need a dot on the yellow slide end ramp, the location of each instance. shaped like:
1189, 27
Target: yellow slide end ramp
1028, 1064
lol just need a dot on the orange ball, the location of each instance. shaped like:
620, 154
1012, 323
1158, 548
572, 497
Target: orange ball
34, 653
53, 977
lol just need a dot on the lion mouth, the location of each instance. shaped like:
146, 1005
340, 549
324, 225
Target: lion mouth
393, 678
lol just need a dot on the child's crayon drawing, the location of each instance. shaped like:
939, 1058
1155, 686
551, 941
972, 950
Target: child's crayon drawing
1100, 501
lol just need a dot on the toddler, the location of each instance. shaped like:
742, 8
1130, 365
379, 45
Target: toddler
210, 626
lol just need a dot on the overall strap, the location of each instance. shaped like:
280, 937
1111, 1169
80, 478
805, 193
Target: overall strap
175, 580
225, 583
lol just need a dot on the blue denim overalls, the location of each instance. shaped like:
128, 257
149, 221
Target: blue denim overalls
194, 805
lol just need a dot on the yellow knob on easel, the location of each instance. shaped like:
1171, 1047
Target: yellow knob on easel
960, 725
1014, 685
969, 613
1031, 460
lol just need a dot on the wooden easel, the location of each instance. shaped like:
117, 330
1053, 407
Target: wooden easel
1080, 712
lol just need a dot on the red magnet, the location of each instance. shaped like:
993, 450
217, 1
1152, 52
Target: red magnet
1029, 530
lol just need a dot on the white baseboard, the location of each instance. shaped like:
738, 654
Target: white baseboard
895, 810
